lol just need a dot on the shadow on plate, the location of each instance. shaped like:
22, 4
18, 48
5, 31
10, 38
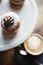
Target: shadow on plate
8, 36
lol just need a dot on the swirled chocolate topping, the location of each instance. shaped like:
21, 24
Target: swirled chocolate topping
8, 21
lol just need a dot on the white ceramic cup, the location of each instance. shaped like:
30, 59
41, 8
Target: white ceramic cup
35, 40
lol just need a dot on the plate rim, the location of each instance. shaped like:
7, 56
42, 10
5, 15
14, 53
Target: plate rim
20, 41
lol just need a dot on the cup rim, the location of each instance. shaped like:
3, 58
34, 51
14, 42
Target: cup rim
37, 35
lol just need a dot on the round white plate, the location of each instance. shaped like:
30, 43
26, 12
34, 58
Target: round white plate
28, 18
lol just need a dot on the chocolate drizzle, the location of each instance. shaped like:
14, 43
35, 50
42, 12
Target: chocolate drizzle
8, 21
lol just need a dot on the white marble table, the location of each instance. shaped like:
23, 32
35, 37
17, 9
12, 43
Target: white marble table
39, 26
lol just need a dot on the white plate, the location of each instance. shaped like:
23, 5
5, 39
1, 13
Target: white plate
28, 15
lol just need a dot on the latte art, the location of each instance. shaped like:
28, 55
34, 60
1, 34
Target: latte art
34, 45
34, 42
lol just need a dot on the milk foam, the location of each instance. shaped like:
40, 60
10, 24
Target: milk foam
34, 42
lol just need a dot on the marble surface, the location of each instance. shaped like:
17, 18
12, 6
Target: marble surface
39, 26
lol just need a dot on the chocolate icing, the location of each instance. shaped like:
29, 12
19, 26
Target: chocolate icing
8, 21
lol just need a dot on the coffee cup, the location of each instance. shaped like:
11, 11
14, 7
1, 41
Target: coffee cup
34, 44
